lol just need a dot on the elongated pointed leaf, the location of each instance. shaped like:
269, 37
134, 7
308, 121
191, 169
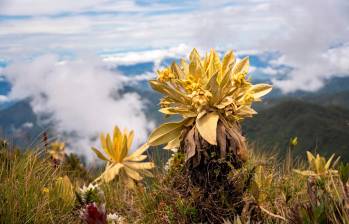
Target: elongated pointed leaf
177, 110
130, 139
138, 158
177, 71
246, 111
104, 145
123, 148
173, 93
310, 157
110, 173
195, 69
173, 144
242, 66
194, 55
260, 90
140, 166
228, 61
165, 133
185, 67
328, 164
133, 174
207, 127
138, 152
99, 154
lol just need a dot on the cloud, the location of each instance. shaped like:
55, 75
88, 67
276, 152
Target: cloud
82, 96
308, 35
269, 71
43, 7
3, 99
156, 55
310, 42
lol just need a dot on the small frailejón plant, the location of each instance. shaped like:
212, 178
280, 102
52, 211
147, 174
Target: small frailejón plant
57, 152
318, 166
129, 168
327, 198
212, 97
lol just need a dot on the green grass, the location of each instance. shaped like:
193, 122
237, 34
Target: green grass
280, 193
23, 177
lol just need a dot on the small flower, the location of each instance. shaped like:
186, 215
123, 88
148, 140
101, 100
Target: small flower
85, 188
90, 193
115, 219
293, 141
45, 190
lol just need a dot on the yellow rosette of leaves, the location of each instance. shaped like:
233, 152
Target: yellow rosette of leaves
319, 166
204, 91
57, 151
129, 168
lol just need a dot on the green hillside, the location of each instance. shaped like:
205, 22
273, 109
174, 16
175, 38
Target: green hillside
321, 128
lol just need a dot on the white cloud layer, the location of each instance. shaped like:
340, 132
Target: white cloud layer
314, 41
82, 96
308, 34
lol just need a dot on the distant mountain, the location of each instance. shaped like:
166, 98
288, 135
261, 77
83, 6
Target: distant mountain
331, 86
19, 123
321, 128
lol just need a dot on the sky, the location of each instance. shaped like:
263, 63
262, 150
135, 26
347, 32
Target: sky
59, 52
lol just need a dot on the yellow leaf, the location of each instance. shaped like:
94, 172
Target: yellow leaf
246, 111
140, 166
260, 90
195, 69
228, 61
328, 164
173, 144
225, 102
133, 174
123, 146
130, 139
104, 144
174, 94
207, 127
110, 172
137, 158
194, 55
140, 150
305, 172
310, 157
178, 71
99, 154
185, 67
242, 66
178, 110
111, 148
165, 133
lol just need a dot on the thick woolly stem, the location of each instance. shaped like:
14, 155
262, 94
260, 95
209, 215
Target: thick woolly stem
209, 168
